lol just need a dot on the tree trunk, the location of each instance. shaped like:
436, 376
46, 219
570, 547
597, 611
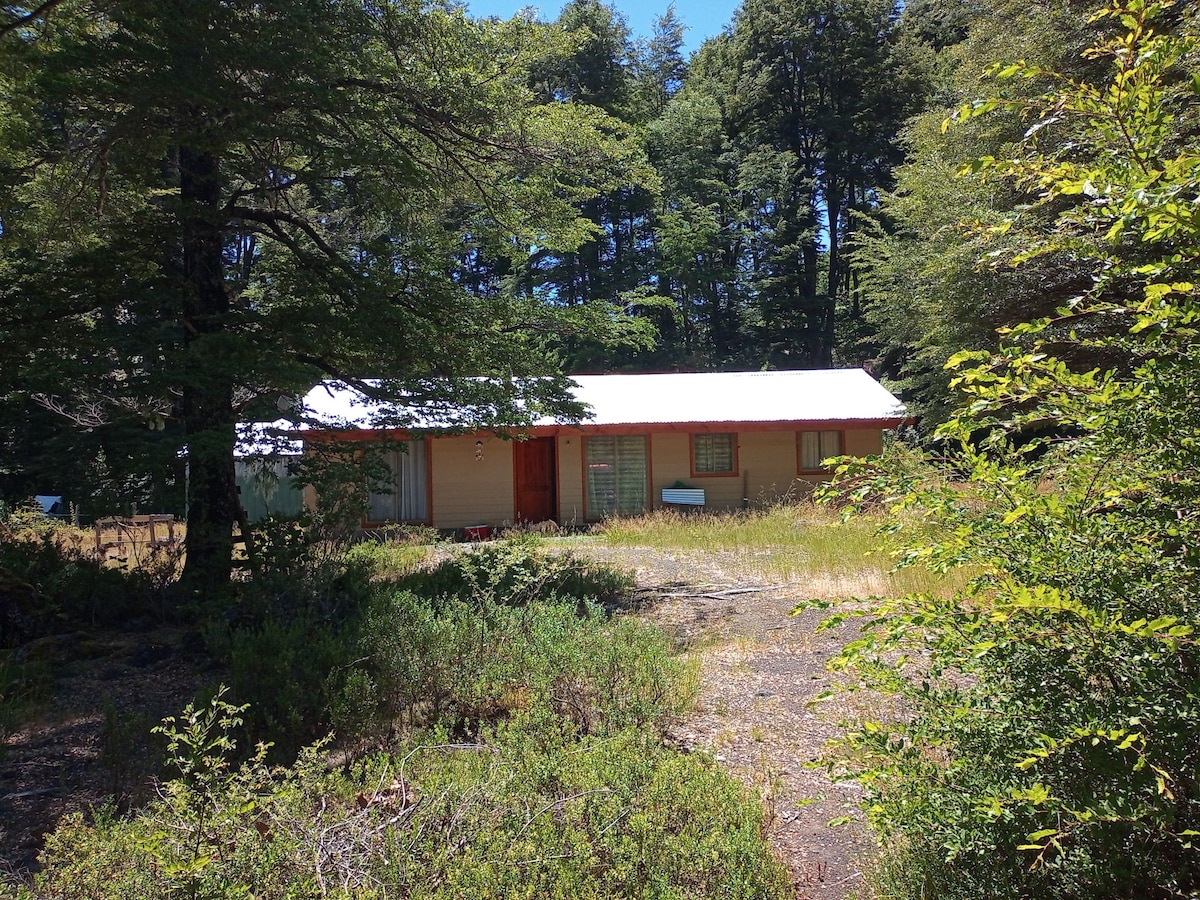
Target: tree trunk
208, 412
833, 208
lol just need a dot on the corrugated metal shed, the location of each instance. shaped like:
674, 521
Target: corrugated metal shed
261, 469
816, 395
266, 488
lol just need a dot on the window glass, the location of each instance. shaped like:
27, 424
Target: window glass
816, 446
712, 454
616, 475
407, 499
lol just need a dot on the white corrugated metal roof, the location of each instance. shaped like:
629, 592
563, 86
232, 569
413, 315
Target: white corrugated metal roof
266, 439
815, 395
788, 396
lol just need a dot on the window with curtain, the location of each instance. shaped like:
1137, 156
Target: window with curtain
713, 454
407, 499
816, 446
616, 475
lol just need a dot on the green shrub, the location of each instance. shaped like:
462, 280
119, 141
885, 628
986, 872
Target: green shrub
25, 687
1047, 746
27, 519
564, 789
517, 571
618, 817
466, 663
48, 588
283, 671
331, 646
300, 573
403, 533
292, 632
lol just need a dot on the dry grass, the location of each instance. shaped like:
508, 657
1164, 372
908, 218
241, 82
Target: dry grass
791, 543
124, 543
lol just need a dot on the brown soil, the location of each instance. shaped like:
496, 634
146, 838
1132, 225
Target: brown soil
91, 742
760, 668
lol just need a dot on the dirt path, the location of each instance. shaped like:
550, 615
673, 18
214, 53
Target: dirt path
760, 668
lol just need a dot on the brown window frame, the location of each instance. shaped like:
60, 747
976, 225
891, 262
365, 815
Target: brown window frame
841, 433
731, 473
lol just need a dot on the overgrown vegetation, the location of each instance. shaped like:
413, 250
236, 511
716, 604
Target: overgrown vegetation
520, 813
514, 731
1049, 744
517, 571
51, 584
52, 590
468, 664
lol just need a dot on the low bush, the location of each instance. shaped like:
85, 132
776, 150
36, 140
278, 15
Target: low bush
517, 571
619, 817
465, 663
487, 639
25, 686
299, 572
47, 587
289, 629
528, 761
283, 670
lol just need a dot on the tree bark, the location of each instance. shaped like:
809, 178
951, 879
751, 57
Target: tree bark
209, 417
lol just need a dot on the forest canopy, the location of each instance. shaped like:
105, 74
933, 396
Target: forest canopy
194, 230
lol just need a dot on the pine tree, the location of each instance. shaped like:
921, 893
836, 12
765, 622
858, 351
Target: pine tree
208, 205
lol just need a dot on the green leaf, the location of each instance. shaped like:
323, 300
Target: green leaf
1014, 514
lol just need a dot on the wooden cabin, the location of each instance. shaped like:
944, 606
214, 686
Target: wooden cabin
721, 440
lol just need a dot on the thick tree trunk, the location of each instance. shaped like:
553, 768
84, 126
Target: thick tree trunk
208, 412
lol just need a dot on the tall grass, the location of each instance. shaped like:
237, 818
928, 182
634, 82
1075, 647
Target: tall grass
801, 542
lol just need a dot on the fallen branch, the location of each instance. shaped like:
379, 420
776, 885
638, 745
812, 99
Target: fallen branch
713, 595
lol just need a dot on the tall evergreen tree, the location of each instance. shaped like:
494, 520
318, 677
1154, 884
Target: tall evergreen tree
598, 67
818, 102
660, 69
207, 205
926, 292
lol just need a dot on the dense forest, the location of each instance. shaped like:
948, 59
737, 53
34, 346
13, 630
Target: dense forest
785, 197
207, 207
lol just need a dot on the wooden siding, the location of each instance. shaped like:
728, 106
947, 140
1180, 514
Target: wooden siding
570, 479
766, 469
467, 491
769, 460
470, 491
670, 464
863, 442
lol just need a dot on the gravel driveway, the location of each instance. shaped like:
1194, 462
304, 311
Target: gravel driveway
760, 668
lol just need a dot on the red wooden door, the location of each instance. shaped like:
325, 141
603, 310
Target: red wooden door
533, 480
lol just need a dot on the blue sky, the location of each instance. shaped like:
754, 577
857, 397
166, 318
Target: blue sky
704, 18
